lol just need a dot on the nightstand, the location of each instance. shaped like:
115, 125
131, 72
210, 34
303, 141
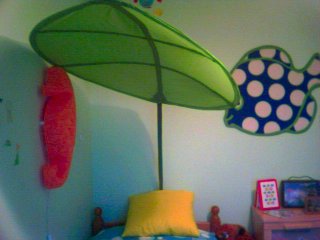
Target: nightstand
294, 227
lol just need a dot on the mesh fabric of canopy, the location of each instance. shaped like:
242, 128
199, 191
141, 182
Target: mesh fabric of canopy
118, 46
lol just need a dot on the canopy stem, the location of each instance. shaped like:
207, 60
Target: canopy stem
160, 167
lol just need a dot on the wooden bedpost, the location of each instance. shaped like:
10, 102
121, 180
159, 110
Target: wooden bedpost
215, 221
98, 222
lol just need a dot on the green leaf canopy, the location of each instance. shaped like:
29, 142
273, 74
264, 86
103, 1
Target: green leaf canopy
118, 46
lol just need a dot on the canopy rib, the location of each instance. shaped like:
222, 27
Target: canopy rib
154, 99
171, 28
137, 63
127, 35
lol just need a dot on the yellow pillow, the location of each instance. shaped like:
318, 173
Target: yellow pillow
163, 212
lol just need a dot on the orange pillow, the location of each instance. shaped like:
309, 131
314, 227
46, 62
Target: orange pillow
163, 212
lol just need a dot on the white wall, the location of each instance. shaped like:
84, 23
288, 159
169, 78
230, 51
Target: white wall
27, 210
19, 126
221, 165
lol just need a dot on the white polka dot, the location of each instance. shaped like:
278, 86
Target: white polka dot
314, 68
284, 57
314, 82
271, 127
256, 67
301, 124
275, 71
263, 109
268, 53
239, 76
310, 108
295, 78
255, 88
250, 124
276, 91
296, 97
284, 112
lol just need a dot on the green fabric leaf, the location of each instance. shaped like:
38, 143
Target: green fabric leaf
118, 46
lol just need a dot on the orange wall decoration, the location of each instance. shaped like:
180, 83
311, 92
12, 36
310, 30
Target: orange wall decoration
59, 129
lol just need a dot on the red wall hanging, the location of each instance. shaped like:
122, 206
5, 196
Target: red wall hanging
59, 129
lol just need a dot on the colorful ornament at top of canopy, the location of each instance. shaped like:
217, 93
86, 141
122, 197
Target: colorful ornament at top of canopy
149, 4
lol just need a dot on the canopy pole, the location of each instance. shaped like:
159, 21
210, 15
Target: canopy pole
160, 169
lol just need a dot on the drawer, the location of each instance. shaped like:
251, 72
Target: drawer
297, 234
292, 225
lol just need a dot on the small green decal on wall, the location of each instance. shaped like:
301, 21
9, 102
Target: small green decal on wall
17, 159
7, 143
276, 97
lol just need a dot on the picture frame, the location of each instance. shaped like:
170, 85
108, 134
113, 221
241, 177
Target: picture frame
294, 192
312, 205
267, 195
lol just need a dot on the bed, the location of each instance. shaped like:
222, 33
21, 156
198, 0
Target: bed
165, 215
113, 230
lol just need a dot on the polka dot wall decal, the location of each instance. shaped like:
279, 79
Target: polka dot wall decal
263, 109
256, 67
271, 127
310, 108
276, 91
255, 89
295, 78
250, 124
301, 124
268, 53
274, 94
284, 112
314, 68
239, 76
296, 97
275, 71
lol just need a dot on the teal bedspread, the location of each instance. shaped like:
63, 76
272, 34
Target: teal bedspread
116, 232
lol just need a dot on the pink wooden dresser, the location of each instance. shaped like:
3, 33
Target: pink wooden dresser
297, 226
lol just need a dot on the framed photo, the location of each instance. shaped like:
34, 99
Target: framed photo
312, 205
294, 192
267, 196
